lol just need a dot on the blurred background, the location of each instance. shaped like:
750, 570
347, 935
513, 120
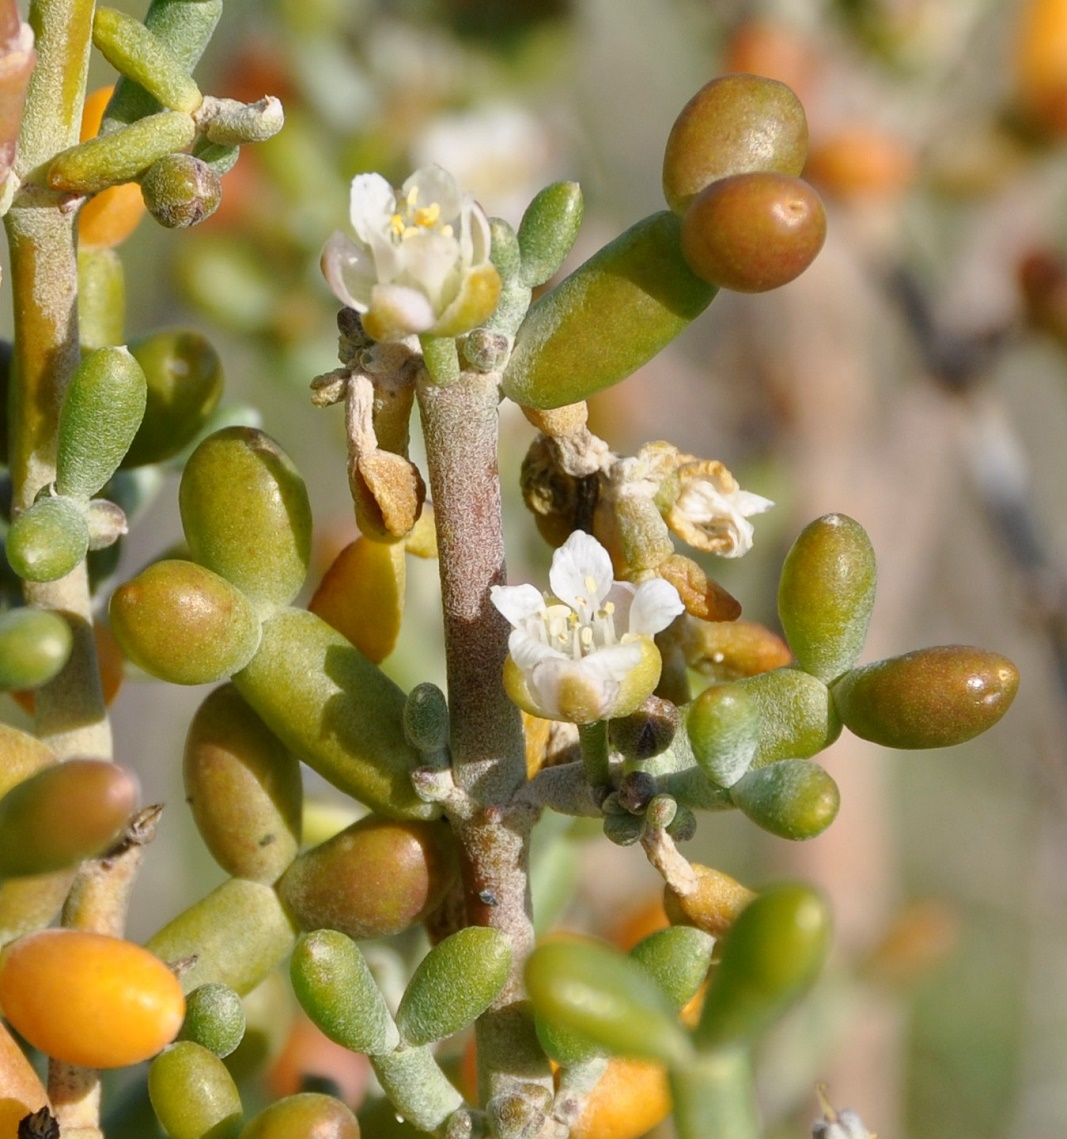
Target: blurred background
915, 378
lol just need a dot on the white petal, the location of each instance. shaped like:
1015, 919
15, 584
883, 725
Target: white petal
654, 607
614, 663
581, 571
401, 309
517, 602
430, 262
528, 652
371, 205
435, 185
746, 503
349, 271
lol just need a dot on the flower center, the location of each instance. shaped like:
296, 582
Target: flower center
574, 632
411, 218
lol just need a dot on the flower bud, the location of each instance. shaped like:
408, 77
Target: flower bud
610, 316
102, 410
179, 191
933, 697
732, 125
184, 624
793, 798
826, 595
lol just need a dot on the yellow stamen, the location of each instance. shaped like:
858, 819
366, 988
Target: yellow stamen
427, 216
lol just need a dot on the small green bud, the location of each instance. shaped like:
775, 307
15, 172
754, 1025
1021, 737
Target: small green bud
140, 55
610, 316
607, 997
624, 829
426, 723
193, 1094
214, 1018
933, 697
179, 191
50, 538
235, 935
184, 624
244, 788
796, 717
121, 156
677, 959
454, 984
826, 595
792, 798
226, 122
106, 522
246, 514
770, 956
185, 379
307, 1113
336, 989
63, 814
733, 125
547, 231
724, 728
34, 646
336, 711
102, 410
648, 732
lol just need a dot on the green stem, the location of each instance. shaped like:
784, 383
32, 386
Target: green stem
595, 753
441, 357
460, 427
714, 1096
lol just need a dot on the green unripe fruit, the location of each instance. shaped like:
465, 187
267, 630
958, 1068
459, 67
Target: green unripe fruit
101, 412
797, 718
610, 316
724, 728
307, 1114
826, 595
933, 697
677, 959
234, 936
48, 540
335, 987
454, 984
244, 788
547, 231
336, 711
607, 997
184, 376
34, 646
733, 125
193, 1094
184, 624
214, 1018
793, 798
376, 878
770, 956
63, 814
753, 232
246, 514
180, 190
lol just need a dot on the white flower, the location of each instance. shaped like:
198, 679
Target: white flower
586, 653
711, 511
420, 261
